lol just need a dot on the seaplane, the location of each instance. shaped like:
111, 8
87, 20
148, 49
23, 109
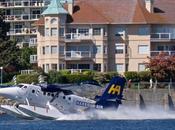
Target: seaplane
66, 102
28, 94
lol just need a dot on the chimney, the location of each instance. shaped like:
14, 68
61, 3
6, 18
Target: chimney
149, 5
70, 6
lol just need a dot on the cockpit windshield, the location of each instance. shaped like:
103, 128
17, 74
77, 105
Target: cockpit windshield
19, 85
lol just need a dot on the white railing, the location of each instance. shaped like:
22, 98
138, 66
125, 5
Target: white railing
33, 58
27, 71
77, 70
11, 4
22, 17
168, 53
77, 36
22, 31
77, 54
32, 42
160, 36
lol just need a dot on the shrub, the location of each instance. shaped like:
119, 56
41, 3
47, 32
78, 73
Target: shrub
77, 78
56, 77
64, 72
108, 76
134, 76
29, 78
144, 75
7, 77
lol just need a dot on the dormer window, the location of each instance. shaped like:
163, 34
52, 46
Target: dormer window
53, 21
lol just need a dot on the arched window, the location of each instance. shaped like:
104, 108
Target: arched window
47, 21
53, 21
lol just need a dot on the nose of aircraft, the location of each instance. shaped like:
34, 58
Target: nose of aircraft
11, 92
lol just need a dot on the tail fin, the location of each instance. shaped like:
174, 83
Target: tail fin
113, 94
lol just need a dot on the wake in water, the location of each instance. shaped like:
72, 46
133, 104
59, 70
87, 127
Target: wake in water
123, 113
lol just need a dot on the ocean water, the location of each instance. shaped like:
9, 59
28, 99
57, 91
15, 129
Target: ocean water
10, 123
123, 119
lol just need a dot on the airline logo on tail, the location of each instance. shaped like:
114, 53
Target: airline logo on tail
115, 89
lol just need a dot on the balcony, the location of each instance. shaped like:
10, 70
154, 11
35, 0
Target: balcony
22, 31
167, 53
158, 37
77, 37
33, 42
23, 4
22, 17
77, 55
33, 59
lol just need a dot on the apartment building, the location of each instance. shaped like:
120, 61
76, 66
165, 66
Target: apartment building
21, 14
104, 35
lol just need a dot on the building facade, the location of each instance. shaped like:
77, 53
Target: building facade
104, 35
21, 14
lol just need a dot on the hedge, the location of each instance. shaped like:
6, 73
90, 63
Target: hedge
29, 78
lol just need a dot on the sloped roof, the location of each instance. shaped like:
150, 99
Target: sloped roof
55, 7
121, 12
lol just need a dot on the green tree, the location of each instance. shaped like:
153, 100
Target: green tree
4, 27
25, 57
9, 55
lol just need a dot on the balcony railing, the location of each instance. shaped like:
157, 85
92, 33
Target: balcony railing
12, 4
167, 53
160, 36
22, 31
33, 59
33, 42
22, 17
77, 36
69, 55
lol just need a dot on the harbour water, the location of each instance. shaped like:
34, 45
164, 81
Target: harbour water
10, 123
123, 119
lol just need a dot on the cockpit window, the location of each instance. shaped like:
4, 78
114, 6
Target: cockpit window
33, 91
20, 86
52, 95
25, 87
64, 97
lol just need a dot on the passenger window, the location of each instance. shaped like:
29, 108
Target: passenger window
33, 91
48, 94
64, 97
44, 93
52, 95
69, 98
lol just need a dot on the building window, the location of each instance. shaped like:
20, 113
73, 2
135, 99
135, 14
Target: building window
119, 49
53, 21
47, 68
119, 68
47, 50
142, 67
143, 49
83, 66
120, 31
97, 67
54, 32
143, 31
83, 31
71, 30
47, 32
54, 66
97, 31
61, 66
61, 50
105, 49
53, 49
43, 50
61, 32
99, 49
